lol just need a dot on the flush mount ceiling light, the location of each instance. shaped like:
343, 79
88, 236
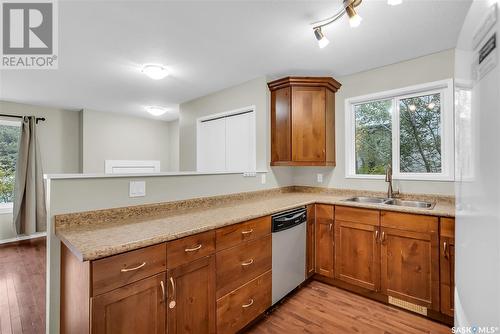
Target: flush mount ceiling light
156, 110
348, 7
154, 71
394, 2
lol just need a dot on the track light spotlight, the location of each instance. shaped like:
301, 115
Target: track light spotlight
322, 40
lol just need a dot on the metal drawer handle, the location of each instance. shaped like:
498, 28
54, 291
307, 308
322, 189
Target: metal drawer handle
383, 237
163, 291
445, 248
172, 302
194, 249
376, 236
249, 304
247, 263
124, 270
247, 232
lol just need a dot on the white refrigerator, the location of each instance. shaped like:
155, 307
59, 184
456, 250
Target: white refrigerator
477, 171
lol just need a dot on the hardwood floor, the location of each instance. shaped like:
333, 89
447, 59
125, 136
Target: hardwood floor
320, 308
22, 287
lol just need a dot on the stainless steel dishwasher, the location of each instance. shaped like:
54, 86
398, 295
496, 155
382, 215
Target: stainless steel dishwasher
289, 251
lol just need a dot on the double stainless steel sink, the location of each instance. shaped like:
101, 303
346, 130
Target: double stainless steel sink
392, 201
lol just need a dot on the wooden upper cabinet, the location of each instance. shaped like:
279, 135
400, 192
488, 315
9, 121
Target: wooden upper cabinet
410, 258
134, 308
447, 265
324, 240
303, 121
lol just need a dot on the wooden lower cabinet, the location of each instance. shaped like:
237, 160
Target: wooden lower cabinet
239, 307
135, 308
191, 297
324, 240
447, 265
410, 258
357, 254
310, 242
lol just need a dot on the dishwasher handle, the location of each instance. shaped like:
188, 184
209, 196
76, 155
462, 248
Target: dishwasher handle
288, 220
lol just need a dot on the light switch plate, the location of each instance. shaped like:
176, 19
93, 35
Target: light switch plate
319, 178
137, 189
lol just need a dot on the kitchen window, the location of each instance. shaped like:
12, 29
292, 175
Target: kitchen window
9, 144
410, 129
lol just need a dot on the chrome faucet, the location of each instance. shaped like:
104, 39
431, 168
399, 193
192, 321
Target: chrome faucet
388, 178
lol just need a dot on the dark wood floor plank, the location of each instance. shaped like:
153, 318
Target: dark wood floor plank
22, 287
320, 308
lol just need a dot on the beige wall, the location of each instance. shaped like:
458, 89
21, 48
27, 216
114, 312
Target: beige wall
254, 92
111, 136
59, 138
416, 71
173, 146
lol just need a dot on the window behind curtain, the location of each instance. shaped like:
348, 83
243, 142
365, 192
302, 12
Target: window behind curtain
9, 145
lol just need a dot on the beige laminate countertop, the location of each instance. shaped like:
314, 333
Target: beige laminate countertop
91, 241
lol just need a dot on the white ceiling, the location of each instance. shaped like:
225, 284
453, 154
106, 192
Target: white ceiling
210, 45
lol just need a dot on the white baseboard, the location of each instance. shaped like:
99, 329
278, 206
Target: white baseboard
24, 237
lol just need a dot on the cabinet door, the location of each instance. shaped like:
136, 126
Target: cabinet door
410, 266
281, 125
191, 297
308, 124
447, 265
135, 308
324, 240
311, 218
357, 254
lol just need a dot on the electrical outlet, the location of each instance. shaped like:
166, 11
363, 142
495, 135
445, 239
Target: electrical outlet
263, 179
137, 189
319, 178
249, 174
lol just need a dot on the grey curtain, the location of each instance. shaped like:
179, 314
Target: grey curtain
29, 192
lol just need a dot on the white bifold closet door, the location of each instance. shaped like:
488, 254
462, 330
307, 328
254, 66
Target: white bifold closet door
211, 146
227, 143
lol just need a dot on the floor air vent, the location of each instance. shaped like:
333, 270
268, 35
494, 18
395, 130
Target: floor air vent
408, 306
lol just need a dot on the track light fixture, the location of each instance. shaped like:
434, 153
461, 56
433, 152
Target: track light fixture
322, 40
348, 7
354, 18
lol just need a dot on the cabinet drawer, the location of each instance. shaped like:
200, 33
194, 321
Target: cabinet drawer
118, 270
357, 215
190, 248
409, 222
230, 236
447, 228
238, 265
241, 306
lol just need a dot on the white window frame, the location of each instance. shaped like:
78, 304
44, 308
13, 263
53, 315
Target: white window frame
445, 87
250, 109
6, 208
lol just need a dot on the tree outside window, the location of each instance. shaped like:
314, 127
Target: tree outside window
9, 144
